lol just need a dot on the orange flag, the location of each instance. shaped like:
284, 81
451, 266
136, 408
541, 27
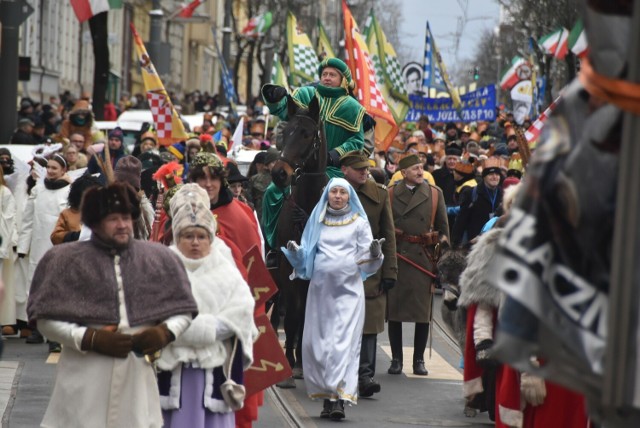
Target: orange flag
367, 90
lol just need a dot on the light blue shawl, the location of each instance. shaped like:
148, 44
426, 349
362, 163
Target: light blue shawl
302, 260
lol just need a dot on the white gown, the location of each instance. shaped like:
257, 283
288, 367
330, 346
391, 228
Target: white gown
335, 309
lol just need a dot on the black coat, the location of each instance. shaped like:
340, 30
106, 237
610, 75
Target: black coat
21, 137
445, 181
476, 208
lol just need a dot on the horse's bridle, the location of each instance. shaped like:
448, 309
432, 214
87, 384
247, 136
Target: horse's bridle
298, 167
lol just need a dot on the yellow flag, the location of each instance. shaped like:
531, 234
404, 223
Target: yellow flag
168, 125
324, 45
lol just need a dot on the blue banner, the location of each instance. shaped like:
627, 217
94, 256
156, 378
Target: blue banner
477, 105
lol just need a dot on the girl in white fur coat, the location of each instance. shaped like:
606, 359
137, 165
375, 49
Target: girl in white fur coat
194, 367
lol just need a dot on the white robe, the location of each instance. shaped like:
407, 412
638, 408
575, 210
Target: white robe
335, 310
9, 235
99, 391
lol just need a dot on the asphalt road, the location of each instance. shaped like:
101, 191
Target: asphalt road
26, 382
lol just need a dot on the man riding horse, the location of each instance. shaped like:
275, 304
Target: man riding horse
343, 122
343, 119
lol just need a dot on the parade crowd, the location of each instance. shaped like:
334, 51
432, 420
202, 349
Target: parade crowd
126, 259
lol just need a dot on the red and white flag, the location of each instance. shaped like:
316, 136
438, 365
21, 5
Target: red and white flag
533, 133
169, 127
187, 11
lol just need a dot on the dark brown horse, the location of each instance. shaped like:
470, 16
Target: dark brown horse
302, 166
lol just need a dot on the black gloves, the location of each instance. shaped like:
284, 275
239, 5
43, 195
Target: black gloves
333, 159
387, 284
106, 342
483, 354
273, 93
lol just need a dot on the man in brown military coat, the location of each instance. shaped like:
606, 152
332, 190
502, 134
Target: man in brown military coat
375, 201
420, 225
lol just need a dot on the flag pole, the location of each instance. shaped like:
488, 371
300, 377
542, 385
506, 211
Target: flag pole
621, 373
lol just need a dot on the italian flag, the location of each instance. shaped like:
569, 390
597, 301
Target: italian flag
85, 9
258, 25
509, 76
556, 43
578, 40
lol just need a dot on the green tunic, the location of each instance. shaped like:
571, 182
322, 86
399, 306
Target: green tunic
342, 116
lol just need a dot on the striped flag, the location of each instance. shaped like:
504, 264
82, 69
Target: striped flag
578, 40
168, 125
519, 69
324, 45
278, 76
388, 70
533, 133
303, 62
431, 73
364, 74
556, 43
85, 9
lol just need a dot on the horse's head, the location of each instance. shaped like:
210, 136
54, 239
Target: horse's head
302, 143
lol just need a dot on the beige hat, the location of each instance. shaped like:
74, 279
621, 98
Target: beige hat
190, 207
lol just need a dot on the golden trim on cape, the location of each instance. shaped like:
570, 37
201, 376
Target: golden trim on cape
342, 222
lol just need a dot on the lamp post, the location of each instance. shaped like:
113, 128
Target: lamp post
155, 32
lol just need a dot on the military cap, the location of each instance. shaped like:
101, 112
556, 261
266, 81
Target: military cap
355, 159
409, 161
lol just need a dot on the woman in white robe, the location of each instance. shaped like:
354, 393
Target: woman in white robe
336, 253
195, 366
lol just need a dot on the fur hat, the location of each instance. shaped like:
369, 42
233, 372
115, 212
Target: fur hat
189, 208
99, 202
128, 169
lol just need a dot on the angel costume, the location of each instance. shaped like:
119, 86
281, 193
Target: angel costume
335, 256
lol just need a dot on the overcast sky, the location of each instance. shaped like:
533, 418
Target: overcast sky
443, 18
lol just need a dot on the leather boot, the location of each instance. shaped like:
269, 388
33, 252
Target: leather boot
419, 368
337, 410
326, 409
396, 366
35, 337
367, 387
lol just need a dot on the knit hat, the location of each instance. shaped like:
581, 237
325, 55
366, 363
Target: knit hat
190, 208
177, 150
409, 161
128, 170
207, 160
340, 66
99, 202
117, 134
